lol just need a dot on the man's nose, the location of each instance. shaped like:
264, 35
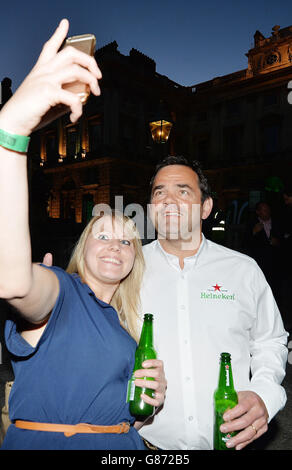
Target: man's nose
169, 198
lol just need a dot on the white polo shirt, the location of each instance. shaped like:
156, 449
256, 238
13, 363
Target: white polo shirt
219, 302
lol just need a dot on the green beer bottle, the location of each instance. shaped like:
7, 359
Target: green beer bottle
144, 351
225, 397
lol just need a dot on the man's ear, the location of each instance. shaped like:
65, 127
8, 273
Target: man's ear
207, 208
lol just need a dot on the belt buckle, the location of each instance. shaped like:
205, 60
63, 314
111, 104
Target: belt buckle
124, 427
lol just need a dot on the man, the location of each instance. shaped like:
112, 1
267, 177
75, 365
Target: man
207, 299
287, 196
264, 241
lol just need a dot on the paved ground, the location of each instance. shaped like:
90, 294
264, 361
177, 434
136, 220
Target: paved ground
278, 436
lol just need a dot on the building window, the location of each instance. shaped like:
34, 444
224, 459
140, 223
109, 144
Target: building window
95, 134
67, 205
232, 107
270, 99
272, 59
271, 137
51, 146
87, 207
67, 200
129, 135
72, 141
232, 143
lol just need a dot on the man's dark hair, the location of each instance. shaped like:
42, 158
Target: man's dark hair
259, 203
194, 165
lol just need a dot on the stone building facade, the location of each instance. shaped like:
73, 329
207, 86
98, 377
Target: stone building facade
109, 151
241, 123
238, 126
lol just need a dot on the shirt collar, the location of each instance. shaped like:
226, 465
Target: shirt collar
90, 291
189, 262
265, 222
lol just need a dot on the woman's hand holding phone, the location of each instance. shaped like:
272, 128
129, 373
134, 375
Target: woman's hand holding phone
45, 86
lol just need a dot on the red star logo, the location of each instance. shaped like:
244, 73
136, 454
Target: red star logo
217, 287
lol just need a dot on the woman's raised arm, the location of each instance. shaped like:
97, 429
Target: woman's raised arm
30, 287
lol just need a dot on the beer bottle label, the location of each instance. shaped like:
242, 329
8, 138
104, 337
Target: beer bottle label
222, 438
131, 389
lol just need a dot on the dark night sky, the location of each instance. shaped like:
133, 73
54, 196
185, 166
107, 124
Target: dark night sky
190, 41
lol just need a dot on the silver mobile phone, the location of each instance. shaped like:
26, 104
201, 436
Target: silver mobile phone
84, 43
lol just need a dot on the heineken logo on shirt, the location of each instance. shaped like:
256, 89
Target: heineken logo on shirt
217, 292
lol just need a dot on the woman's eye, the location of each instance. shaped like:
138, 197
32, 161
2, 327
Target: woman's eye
125, 242
102, 236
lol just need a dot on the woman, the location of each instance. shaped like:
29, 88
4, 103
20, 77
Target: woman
73, 352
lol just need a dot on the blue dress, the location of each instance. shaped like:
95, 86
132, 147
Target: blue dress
77, 373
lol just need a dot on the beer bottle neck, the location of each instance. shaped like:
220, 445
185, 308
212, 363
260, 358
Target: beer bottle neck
146, 338
225, 376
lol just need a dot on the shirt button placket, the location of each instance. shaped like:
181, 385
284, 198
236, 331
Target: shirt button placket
186, 357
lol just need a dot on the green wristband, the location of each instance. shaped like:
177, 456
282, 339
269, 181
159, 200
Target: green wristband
18, 143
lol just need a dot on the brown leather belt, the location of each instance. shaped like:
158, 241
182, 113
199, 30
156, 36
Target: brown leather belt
71, 429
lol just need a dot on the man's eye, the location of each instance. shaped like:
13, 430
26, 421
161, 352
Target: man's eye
184, 192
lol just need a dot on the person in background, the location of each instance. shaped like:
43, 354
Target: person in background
264, 239
73, 336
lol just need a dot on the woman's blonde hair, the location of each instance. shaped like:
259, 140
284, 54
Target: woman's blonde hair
126, 299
